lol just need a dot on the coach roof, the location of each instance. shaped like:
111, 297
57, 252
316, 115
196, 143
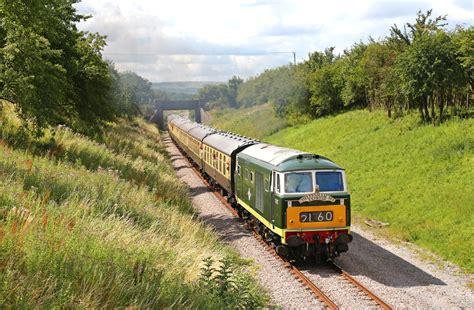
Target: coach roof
201, 131
227, 142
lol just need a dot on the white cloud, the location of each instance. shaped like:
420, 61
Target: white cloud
198, 40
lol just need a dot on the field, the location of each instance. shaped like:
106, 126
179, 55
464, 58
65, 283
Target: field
89, 223
418, 178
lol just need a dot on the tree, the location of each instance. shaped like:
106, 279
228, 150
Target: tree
429, 70
463, 40
54, 72
325, 90
215, 96
376, 71
354, 91
140, 87
233, 86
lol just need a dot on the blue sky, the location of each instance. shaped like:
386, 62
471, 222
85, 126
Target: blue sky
211, 40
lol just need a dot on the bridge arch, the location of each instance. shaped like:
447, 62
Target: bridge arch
163, 105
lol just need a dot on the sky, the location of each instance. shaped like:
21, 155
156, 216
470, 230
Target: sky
212, 40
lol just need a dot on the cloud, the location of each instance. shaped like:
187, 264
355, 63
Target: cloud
259, 3
213, 40
282, 30
392, 9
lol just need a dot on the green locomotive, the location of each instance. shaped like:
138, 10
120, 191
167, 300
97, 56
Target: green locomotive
297, 201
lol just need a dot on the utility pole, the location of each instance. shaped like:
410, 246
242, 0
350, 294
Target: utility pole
294, 58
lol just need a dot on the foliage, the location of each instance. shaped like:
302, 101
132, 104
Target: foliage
421, 67
220, 95
56, 74
130, 91
428, 67
78, 230
234, 290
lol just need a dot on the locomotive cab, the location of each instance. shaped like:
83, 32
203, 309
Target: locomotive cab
316, 211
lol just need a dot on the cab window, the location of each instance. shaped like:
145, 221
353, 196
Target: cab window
330, 181
298, 182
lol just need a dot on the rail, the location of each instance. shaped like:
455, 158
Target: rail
293, 269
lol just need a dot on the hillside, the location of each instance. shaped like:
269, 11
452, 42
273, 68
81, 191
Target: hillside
418, 178
256, 122
105, 223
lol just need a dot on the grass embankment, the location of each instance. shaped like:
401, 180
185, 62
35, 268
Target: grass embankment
256, 122
88, 224
419, 178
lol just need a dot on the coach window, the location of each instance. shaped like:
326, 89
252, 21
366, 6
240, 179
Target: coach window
220, 163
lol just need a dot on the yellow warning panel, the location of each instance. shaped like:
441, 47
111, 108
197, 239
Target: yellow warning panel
316, 216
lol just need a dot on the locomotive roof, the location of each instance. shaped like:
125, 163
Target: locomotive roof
227, 142
288, 159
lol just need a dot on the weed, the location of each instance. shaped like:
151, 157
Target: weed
79, 228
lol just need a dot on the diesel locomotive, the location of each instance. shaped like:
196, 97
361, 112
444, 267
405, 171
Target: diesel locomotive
297, 201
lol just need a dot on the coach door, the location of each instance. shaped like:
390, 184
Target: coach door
259, 191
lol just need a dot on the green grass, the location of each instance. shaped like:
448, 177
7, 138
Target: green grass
80, 229
419, 178
256, 122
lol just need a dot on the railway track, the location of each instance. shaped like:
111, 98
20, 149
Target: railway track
298, 274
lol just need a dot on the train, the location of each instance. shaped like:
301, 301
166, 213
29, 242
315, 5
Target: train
297, 201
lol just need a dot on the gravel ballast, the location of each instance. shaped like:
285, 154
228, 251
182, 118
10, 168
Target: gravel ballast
393, 272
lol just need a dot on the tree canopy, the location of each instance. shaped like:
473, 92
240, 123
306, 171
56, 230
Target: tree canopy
421, 66
55, 73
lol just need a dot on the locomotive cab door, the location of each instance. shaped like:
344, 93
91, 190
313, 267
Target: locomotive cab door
274, 186
259, 191
238, 179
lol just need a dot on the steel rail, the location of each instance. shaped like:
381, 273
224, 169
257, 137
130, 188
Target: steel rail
293, 270
361, 287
